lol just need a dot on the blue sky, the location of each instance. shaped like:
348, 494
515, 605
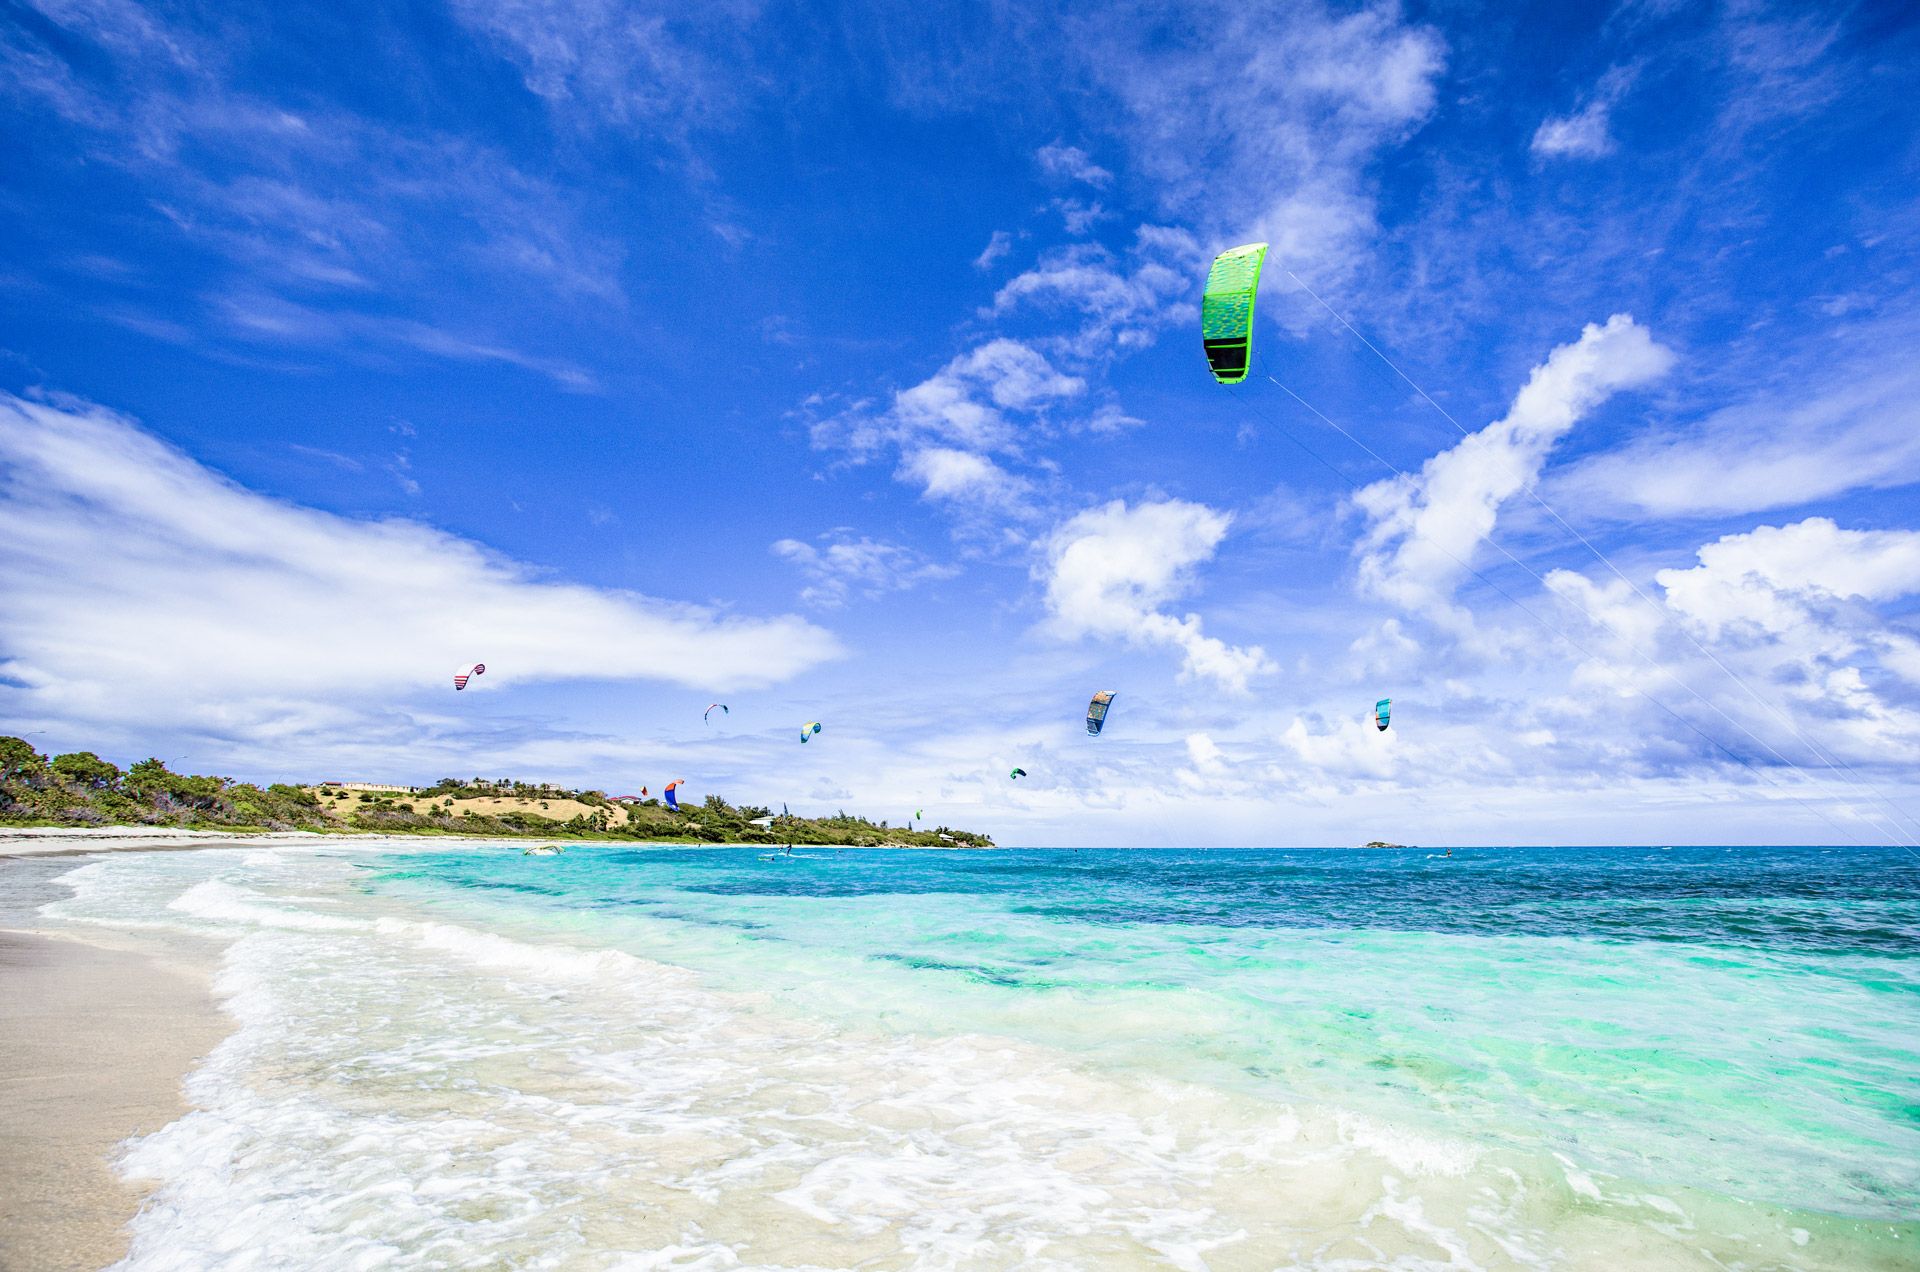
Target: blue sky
841, 362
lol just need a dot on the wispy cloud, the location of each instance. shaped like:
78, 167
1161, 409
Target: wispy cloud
653, 64
1826, 426
946, 428
207, 606
1119, 302
1070, 163
266, 318
1586, 131
303, 204
1583, 133
1263, 121
998, 246
1080, 216
840, 564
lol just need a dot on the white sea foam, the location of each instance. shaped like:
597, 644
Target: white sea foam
382, 1103
544, 963
224, 902
1578, 1180
1407, 1151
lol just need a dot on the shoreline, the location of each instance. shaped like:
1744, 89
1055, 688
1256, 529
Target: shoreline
23, 842
77, 841
96, 1043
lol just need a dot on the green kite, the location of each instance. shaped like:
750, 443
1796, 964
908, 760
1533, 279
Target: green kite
1226, 311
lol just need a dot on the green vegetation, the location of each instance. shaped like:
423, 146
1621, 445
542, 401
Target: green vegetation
503, 788
81, 789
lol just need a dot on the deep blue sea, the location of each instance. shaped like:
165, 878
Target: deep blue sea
716, 1057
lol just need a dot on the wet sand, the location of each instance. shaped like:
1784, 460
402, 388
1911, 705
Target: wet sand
94, 1045
39, 841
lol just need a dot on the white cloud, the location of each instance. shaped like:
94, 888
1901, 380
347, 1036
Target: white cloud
1012, 375
1779, 55
303, 199
1613, 606
1111, 569
264, 318
965, 404
144, 590
1283, 156
1424, 527
1080, 215
1122, 303
946, 428
1823, 431
1587, 132
1073, 164
626, 63
1582, 134
1771, 577
844, 564
1204, 753
998, 246
945, 473
1790, 612
1351, 749
446, 344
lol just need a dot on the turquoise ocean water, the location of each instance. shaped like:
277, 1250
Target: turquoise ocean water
1602, 1057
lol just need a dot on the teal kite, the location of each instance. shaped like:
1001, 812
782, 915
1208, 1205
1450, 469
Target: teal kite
1226, 310
1097, 712
808, 729
1382, 714
1016, 775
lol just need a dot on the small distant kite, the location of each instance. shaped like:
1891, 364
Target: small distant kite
645, 794
1097, 711
1382, 714
1016, 775
673, 800
919, 814
465, 674
808, 729
709, 711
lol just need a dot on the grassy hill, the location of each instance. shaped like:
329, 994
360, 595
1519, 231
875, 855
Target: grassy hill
81, 789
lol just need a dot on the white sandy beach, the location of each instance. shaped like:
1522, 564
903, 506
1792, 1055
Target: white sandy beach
71, 841
94, 1045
